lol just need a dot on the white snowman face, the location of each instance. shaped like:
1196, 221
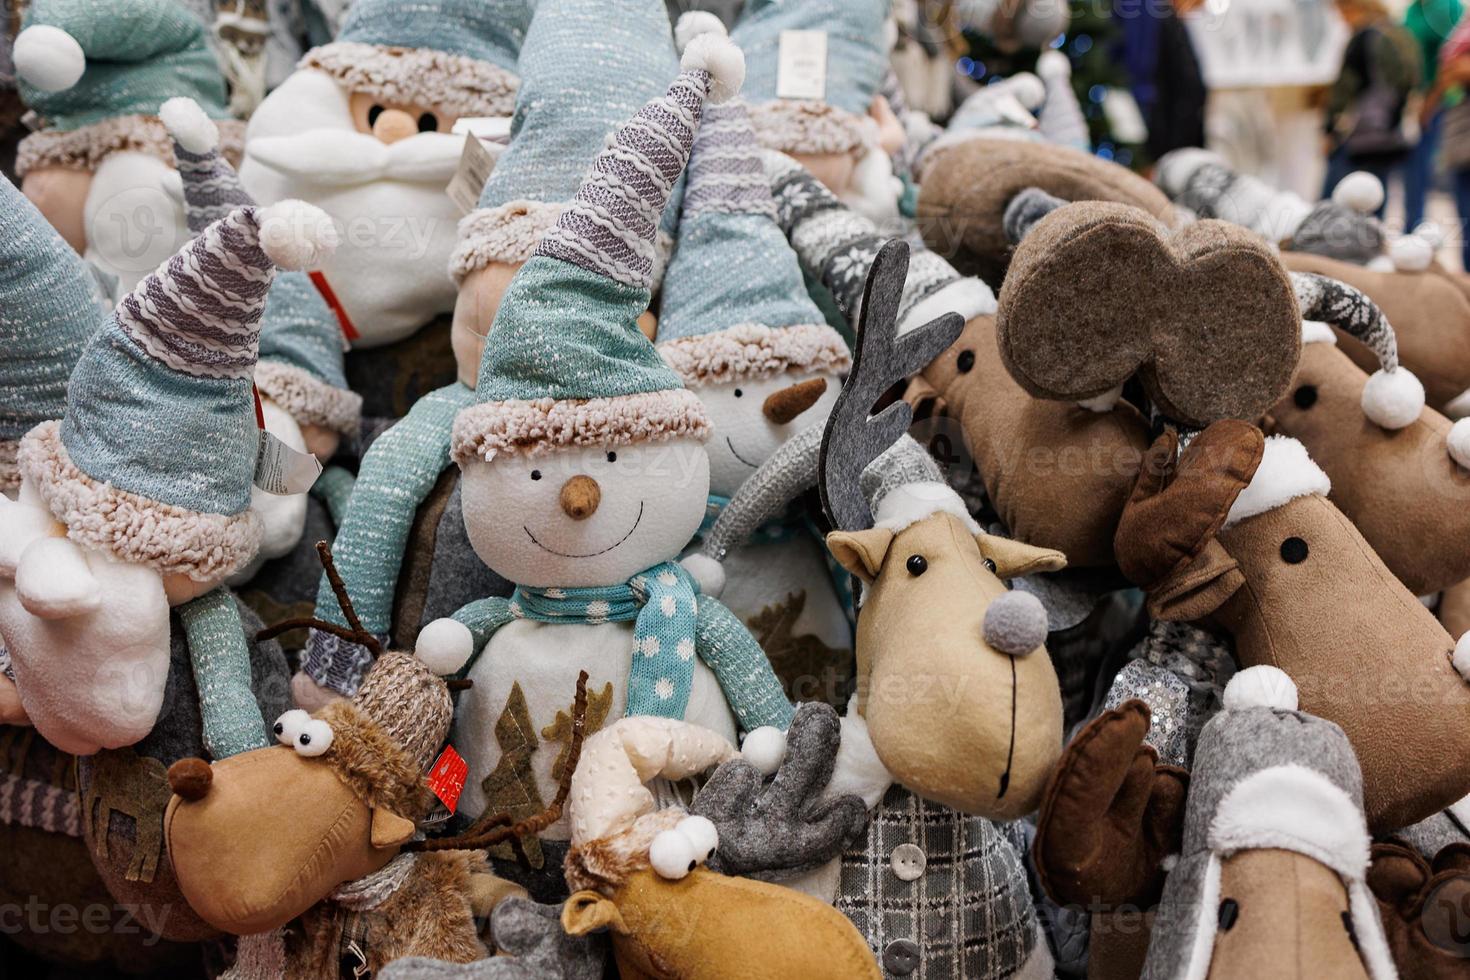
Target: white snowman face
753, 418
585, 517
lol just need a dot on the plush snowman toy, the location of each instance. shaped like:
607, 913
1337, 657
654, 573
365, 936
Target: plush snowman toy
584, 474
364, 130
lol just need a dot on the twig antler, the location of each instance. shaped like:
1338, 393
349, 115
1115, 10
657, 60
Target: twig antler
357, 634
490, 831
853, 438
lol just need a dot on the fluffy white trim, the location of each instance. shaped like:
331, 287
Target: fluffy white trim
544, 425
1459, 406
507, 233
48, 58
1459, 443
754, 350
1393, 399
693, 23
1286, 472
857, 771
912, 502
1360, 191
87, 147
1053, 66
1207, 920
1296, 809
9, 471
718, 55
806, 126
1262, 686
967, 296
1317, 332
296, 235
1104, 403
418, 76
308, 399
1461, 657
445, 645
187, 123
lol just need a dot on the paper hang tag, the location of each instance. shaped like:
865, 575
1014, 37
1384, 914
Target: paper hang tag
284, 471
475, 164
447, 777
801, 69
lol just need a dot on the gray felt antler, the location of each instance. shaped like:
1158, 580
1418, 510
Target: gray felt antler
534, 945
854, 438
777, 830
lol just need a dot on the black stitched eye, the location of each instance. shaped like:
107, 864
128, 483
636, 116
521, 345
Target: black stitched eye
965, 361
917, 564
1229, 912
428, 123
1347, 923
990, 564
1305, 396
1294, 551
535, 474
612, 457
739, 393
373, 115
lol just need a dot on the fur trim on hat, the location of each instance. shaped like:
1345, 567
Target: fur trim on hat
9, 470
372, 765
604, 864
507, 233
131, 528
545, 424
450, 83
753, 350
1286, 473
967, 296
85, 149
906, 505
1293, 808
805, 126
308, 399
1317, 332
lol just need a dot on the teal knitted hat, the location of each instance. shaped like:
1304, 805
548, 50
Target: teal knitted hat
565, 364
457, 56
49, 308
585, 66
857, 60
301, 342
96, 73
734, 304
154, 457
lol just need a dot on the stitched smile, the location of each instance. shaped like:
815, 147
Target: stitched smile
738, 456
594, 554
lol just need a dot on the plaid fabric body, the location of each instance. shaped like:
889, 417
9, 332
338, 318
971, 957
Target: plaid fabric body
970, 912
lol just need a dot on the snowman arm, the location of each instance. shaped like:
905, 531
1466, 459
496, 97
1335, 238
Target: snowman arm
220, 656
741, 667
483, 618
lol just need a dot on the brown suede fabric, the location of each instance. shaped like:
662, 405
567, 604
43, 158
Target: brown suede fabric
1430, 314
1118, 944
1454, 609
1206, 317
1423, 905
1110, 815
1057, 474
966, 189
1401, 488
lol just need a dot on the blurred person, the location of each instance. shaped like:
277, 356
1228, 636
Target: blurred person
1167, 82
1448, 99
1429, 22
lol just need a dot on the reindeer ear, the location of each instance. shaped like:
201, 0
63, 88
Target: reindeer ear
1014, 559
587, 911
389, 829
1198, 589
861, 552
924, 397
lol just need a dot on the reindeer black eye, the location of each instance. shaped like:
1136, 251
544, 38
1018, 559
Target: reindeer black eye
279, 729
373, 115
1305, 396
535, 474
304, 738
1347, 923
1293, 551
428, 123
739, 393
990, 565
1229, 912
612, 457
965, 361
693, 865
917, 564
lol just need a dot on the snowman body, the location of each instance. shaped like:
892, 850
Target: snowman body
135, 221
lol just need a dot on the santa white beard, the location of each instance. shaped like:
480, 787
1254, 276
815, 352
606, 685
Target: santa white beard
134, 224
396, 223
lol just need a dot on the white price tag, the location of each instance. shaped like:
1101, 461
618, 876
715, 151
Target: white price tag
475, 164
801, 69
281, 470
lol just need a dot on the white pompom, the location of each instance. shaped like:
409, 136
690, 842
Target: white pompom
187, 123
1459, 443
1026, 89
1461, 657
765, 749
720, 57
296, 235
708, 572
1411, 253
702, 834
48, 58
693, 23
1261, 687
1431, 232
444, 646
1360, 191
1393, 399
1104, 403
672, 855
1053, 66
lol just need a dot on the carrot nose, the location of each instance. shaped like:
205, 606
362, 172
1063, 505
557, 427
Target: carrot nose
190, 779
393, 125
788, 403
579, 497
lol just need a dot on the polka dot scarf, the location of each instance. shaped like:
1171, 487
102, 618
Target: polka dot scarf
663, 602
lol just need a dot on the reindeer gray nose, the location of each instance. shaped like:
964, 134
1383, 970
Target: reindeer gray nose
1015, 624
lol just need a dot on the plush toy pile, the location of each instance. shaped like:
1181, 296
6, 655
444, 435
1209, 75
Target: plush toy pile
562, 492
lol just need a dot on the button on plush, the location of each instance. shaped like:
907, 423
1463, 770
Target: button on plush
901, 957
908, 861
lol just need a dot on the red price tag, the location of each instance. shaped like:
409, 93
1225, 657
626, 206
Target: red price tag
447, 777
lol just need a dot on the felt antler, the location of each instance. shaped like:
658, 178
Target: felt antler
853, 438
772, 831
357, 634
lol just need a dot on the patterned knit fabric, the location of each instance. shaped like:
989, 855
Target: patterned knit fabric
212, 188
1336, 303
1203, 183
221, 661
139, 53
49, 309
409, 703
37, 784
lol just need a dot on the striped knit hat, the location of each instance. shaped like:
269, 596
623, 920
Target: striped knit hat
301, 356
839, 246
565, 363
857, 61
734, 304
153, 460
456, 56
96, 74
624, 56
49, 309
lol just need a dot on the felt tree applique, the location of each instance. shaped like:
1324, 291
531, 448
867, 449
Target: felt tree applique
135, 786
510, 787
809, 670
560, 730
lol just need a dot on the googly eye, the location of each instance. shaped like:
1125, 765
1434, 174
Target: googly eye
673, 855
290, 725
702, 834
314, 739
